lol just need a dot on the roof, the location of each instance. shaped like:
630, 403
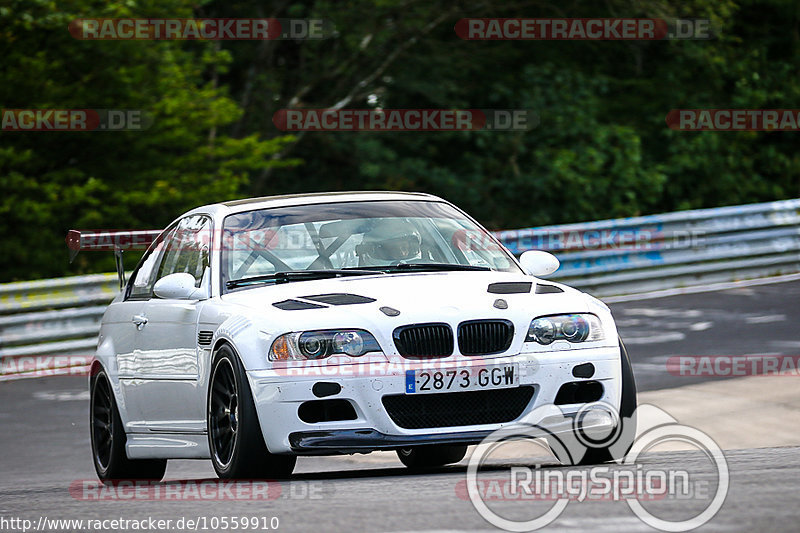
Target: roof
288, 200
342, 196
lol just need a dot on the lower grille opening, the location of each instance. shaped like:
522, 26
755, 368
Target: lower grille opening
316, 411
449, 409
579, 392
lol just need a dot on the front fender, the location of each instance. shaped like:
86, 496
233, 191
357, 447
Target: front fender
247, 339
105, 358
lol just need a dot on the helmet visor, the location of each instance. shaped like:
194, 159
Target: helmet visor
397, 249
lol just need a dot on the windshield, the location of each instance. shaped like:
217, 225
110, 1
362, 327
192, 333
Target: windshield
356, 235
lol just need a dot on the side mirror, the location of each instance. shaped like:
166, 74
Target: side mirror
538, 263
178, 286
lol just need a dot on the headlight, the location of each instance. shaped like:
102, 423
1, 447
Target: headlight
572, 328
321, 344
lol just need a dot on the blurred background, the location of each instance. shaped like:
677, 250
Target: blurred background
601, 150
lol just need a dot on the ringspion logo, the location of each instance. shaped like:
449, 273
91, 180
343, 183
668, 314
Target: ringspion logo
704, 483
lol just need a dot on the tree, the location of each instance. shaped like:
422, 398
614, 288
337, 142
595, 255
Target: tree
54, 181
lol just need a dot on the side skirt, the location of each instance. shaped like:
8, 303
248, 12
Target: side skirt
167, 446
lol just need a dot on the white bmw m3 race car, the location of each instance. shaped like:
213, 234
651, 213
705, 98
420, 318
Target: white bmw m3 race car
256, 331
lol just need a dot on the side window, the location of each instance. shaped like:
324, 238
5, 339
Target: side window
141, 285
187, 249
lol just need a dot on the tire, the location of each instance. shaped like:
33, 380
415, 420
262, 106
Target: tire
237, 446
614, 451
108, 438
431, 456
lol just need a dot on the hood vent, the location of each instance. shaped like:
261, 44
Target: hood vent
510, 287
339, 299
542, 288
296, 305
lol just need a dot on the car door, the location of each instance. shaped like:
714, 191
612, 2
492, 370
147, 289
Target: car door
120, 330
125, 325
167, 358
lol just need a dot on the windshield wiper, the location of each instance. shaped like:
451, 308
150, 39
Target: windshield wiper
297, 275
304, 275
425, 267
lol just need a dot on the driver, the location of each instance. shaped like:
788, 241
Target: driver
392, 241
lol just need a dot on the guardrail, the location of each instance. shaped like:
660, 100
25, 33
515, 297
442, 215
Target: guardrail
642, 254
54, 316
608, 257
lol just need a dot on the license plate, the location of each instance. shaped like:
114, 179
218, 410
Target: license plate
462, 379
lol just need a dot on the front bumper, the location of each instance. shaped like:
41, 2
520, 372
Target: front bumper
278, 396
369, 440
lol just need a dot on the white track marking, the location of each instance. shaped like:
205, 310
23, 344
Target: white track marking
62, 396
674, 313
785, 344
765, 318
701, 288
669, 336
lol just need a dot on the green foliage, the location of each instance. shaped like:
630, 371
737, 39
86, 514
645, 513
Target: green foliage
52, 182
601, 149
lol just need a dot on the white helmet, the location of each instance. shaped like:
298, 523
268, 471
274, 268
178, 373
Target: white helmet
391, 240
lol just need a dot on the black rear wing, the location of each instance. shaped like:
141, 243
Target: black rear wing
112, 241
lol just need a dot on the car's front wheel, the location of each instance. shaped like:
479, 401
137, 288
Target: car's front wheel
234, 433
108, 438
623, 437
431, 456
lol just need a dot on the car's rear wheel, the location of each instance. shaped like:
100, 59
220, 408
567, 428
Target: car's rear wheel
431, 456
108, 438
234, 433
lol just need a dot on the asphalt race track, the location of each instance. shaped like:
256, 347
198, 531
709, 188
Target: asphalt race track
751, 320
44, 446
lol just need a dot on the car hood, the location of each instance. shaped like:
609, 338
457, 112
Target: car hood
418, 297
